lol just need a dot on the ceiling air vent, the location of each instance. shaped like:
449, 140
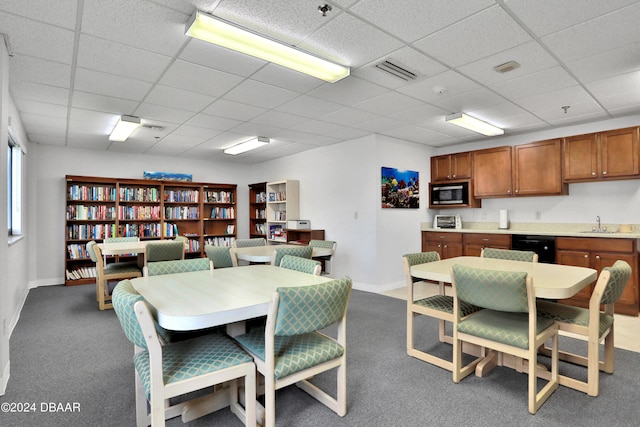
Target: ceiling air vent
507, 66
395, 70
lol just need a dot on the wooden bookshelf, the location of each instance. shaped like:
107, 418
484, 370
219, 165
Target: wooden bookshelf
97, 208
258, 210
304, 236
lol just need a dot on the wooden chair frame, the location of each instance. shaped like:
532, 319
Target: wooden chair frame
103, 276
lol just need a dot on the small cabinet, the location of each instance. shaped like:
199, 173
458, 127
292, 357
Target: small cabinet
258, 210
492, 172
447, 244
474, 243
602, 156
537, 169
451, 167
598, 253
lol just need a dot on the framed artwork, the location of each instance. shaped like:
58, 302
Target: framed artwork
169, 176
400, 188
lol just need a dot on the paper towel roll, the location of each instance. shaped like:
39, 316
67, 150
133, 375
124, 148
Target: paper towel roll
504, 219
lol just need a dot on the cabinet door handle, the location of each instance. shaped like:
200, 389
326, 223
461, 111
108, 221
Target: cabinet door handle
517, 191
586, 256
597, 256
485, 239
593, 174
604, 172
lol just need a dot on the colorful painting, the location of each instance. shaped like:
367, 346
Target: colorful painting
400, 189
168, 176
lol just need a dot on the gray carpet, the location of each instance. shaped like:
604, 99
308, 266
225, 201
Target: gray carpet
64, 350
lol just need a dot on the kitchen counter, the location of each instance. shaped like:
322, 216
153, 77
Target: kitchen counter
541, 229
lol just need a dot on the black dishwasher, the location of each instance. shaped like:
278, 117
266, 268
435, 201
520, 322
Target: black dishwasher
544, 246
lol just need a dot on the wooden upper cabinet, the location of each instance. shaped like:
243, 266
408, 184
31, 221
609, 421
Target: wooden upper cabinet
451, 167
492, 172
537, 169
601, 156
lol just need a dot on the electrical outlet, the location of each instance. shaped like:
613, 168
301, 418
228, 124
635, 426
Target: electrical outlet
538, 215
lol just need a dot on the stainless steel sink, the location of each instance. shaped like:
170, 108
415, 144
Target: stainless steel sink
599, 231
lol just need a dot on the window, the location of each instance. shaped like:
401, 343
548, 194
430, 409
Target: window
14, 187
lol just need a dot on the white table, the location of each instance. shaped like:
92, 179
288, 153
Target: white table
122, 248
265, 253
551, 281
202, 299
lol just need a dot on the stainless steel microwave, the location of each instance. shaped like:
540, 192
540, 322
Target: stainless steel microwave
450, 194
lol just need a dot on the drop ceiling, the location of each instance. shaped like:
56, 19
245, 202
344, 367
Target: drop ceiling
77, 65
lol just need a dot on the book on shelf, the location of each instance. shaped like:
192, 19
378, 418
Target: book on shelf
230, 229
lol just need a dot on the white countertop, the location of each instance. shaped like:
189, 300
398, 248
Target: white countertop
541, 229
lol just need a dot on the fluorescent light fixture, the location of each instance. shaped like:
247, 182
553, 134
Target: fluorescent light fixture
471, 123
124, 128
226, 34
247, 145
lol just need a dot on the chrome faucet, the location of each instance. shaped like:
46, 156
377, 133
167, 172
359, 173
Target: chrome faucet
598, 221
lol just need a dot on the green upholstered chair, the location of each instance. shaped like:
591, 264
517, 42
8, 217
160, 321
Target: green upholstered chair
290, 349
221, 256
508, 323
301, 264
438, 306
509, 254
121, 239
174, 369
592, 323
325, 260
299, 251
247, 243
109, 272
166, 250
177, 266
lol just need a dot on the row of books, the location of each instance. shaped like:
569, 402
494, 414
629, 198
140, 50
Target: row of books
81, 273
139, 194
91, 231
139, 212
181, 212
141, 230
278, 196
223, 213
277, 233
280, 215
261, 229
219, 241
181, 196
261, 197
92, 192
260, 214
90, 213
170, 230
211, 196
77, 251
193, 245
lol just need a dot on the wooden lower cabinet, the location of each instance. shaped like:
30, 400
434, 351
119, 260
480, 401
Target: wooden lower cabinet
475, 242
598, 253
447, 244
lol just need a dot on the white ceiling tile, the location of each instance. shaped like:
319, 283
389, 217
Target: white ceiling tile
407, 20
92, 121
178, 98
550, 104
531, 57
454, 84
220, 58
131, 146
607, 64
119, 59
199, 79
388, 103
140, 24
62, 15
379, 124
423, 114
39, 92
37, 39
276, 75
263, 95
348, 116
212, 122
548, 16
348, 91
47, 139
257, 129
309, 106
166, 114
620, 28
233, 110
350, 41
183, 141
278, 119
41, 108
617, 92
36, 70
483, 34
108, 104
88, 141
468, 101
110, 85
417, 134
317, 127
544, 81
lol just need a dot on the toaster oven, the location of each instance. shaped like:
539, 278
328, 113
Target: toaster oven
447, 221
